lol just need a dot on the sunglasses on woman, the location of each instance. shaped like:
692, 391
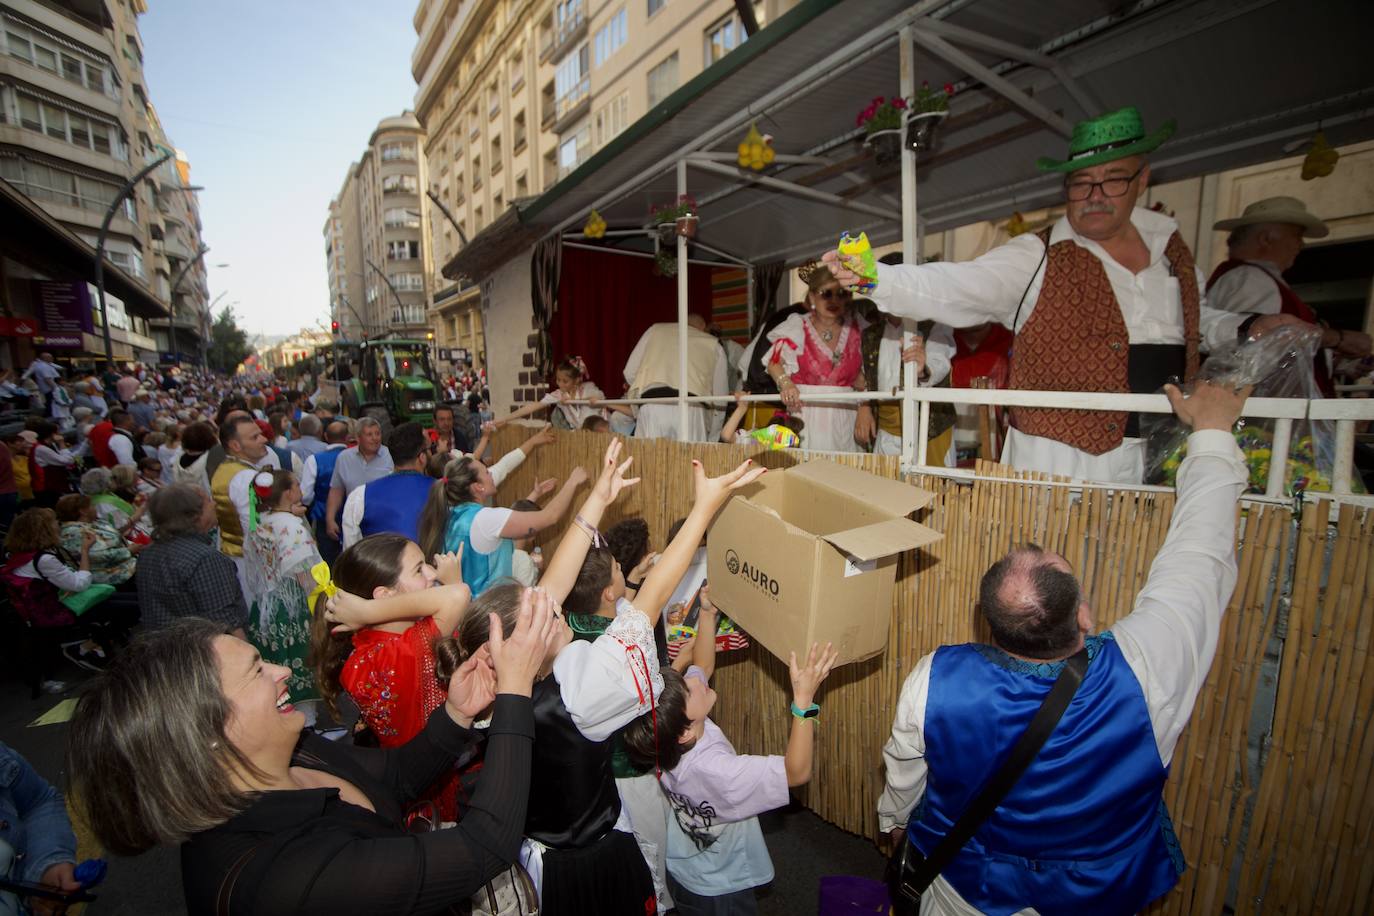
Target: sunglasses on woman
830, 294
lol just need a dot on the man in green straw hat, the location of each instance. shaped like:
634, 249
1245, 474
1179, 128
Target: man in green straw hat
1106, 299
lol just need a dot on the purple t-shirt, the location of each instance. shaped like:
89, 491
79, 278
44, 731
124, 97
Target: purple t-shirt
714, 842
734, 786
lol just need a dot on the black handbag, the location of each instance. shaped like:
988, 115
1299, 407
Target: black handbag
909, 873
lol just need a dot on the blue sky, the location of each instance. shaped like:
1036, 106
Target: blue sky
271, 100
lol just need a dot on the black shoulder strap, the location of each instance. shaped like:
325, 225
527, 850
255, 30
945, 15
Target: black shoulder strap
991, 795
1044, 235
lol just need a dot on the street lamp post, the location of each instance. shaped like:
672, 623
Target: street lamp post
389, 285
172, 299
124, 192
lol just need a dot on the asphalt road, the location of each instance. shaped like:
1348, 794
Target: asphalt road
804, 848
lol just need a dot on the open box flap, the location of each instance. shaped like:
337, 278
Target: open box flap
891, 497
882, 539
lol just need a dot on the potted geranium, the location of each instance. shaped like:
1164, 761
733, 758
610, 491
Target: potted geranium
928, 108
665, 262
882, 124
680, 215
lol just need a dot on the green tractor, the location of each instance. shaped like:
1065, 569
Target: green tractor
388, 379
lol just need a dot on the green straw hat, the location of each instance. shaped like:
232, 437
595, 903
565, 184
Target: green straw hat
1113, 136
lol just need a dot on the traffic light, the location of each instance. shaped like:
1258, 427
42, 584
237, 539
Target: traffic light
334, 327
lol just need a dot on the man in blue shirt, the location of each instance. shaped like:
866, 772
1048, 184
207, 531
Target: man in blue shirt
316, 478
393, 503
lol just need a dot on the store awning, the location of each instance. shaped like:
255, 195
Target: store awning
33, 238
1247, 81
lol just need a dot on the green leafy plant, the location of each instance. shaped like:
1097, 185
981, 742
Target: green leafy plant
667, 213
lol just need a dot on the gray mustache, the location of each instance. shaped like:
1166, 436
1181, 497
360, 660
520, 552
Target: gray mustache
1098, 208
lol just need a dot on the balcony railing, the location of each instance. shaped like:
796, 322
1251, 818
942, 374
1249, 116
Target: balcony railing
572, 28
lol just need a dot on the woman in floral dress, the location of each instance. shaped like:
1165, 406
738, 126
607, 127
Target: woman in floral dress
279, 554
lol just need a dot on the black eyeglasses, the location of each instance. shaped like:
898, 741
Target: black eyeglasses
1111, 187
828, 294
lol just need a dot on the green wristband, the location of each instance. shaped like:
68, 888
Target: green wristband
809, 712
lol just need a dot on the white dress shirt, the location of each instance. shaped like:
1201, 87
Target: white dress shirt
1003, 285
355, 507
310, 470
1250, 288
1168, 640
123, 448
940, 349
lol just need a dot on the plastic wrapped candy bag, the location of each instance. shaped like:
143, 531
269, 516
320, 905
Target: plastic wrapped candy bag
1279, 365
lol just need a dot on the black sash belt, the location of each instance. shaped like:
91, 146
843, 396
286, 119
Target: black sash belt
1148, 368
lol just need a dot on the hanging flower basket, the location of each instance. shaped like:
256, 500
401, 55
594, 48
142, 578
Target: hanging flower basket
665, 233
920, 128
665, 263
686, 226
886, 145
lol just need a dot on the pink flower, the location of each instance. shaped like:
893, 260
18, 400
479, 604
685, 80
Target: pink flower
877, 100
949, 89
899, 102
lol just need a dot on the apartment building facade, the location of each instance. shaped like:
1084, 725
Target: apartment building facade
76, 123
515, 94
377, 256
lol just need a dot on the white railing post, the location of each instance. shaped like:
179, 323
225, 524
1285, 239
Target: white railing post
912, 452
1344, 458
1278, 457
682, 408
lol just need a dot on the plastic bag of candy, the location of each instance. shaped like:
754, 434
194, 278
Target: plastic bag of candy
1279, 365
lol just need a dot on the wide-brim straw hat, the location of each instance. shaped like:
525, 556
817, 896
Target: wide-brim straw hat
1112, 136
1287, 210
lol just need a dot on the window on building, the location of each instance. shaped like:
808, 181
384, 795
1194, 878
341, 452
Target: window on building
610, 37
400, 217
572, 83
494, 99
568, 15
497, 204
518, 132
393, 151
477, 218
663, 80
67, 125
44, 182
517, 70
550, 168
610, 119
656, 5
408, 282
522, 186
574, 150
496, 161
400, 184
474, 125
405, 250
60, 56
726, 34
476, 172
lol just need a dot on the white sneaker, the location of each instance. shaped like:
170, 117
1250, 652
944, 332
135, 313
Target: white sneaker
54, 686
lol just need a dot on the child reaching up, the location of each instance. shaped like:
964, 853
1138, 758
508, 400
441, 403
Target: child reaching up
783, 430
570, 384
716, 852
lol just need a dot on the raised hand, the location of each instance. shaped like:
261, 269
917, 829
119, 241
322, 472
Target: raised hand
1208, 406
612, 480
835, 261
472, 688
448, 567
578, 477
545, 487
806, 678
716, 490
346, 612
519, 657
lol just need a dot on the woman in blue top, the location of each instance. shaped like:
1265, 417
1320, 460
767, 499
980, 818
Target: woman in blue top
457, 515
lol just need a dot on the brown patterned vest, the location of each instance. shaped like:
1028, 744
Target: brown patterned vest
1076, 340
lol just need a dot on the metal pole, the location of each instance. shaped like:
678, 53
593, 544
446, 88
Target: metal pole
172, 299
462, 236
124, 192
910, 254
395, 295
682, 408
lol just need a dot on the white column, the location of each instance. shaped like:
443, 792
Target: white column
682, 408
910, 253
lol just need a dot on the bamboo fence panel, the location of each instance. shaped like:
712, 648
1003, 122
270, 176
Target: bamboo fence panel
1301, 829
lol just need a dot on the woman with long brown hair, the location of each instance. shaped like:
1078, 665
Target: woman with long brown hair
191, 739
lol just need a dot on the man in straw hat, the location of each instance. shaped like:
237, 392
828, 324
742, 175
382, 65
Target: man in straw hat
1084, 829
1106, 299
1263, 244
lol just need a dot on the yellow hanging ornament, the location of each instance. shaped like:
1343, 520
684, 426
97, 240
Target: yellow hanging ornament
1320, 160
754, 152
1017, 225
595, 226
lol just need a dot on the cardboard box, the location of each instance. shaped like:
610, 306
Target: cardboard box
809, 554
